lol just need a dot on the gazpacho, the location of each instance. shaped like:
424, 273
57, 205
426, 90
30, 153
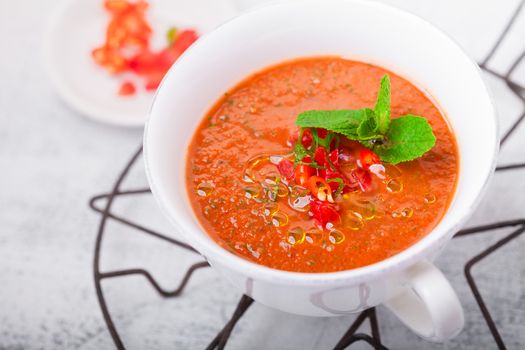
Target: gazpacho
320, 165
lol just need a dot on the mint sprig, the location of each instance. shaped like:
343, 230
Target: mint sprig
394, 140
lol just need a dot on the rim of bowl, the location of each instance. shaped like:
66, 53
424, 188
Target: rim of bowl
210, 249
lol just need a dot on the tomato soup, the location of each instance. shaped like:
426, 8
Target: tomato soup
247, 187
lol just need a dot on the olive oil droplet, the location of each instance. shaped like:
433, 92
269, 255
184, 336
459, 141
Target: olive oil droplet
353, 221
430, 198
270, 208
282, 190
296, 235
204, 189
336, 237
248, 175
313, 235
299, 199
271, 179
407, 212
394, 186
252, 191
365, 208
252, 165
279, 219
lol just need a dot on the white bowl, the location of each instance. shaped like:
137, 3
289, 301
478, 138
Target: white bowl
358, 30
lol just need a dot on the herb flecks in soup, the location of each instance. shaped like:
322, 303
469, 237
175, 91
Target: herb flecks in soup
332, 194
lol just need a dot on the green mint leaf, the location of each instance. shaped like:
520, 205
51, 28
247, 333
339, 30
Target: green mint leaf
408, 138
382, 107
342, 121
368, 130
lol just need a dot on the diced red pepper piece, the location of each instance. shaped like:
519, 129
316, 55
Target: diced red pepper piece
320, 189
110, 59
322, 133
367, 158
324, 212
143, 62
286, 169
170, 54
184, 40
320, 156
306, 140
330, 161
334, 157
127, 89
325, 159
153, 80
302, 174
330, 174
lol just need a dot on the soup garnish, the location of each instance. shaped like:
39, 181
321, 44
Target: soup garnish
316, 166
292, 169
405, 138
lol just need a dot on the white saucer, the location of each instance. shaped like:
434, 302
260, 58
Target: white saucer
79, 26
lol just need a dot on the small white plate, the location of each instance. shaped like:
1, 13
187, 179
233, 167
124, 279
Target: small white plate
79, 27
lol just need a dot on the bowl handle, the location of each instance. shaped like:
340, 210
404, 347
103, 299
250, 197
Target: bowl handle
427, 304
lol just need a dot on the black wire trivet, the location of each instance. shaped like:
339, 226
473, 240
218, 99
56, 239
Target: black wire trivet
350, 337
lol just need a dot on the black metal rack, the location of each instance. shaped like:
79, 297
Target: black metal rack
103, 204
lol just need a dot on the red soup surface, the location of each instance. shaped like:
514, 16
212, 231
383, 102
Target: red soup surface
251, 203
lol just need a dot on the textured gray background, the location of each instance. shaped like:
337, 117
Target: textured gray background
52, 160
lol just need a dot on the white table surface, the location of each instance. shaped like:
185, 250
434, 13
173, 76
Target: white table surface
52, 160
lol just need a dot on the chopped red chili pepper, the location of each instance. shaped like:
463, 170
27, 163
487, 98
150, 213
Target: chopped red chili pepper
324, 213
153, 81
320, 189
322, 133
153, 66
334, 185
320, 156
128, 27
286, 169
143, 62
329, 162
302, 174
367, 158
184, 40
306, 140
334, 157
